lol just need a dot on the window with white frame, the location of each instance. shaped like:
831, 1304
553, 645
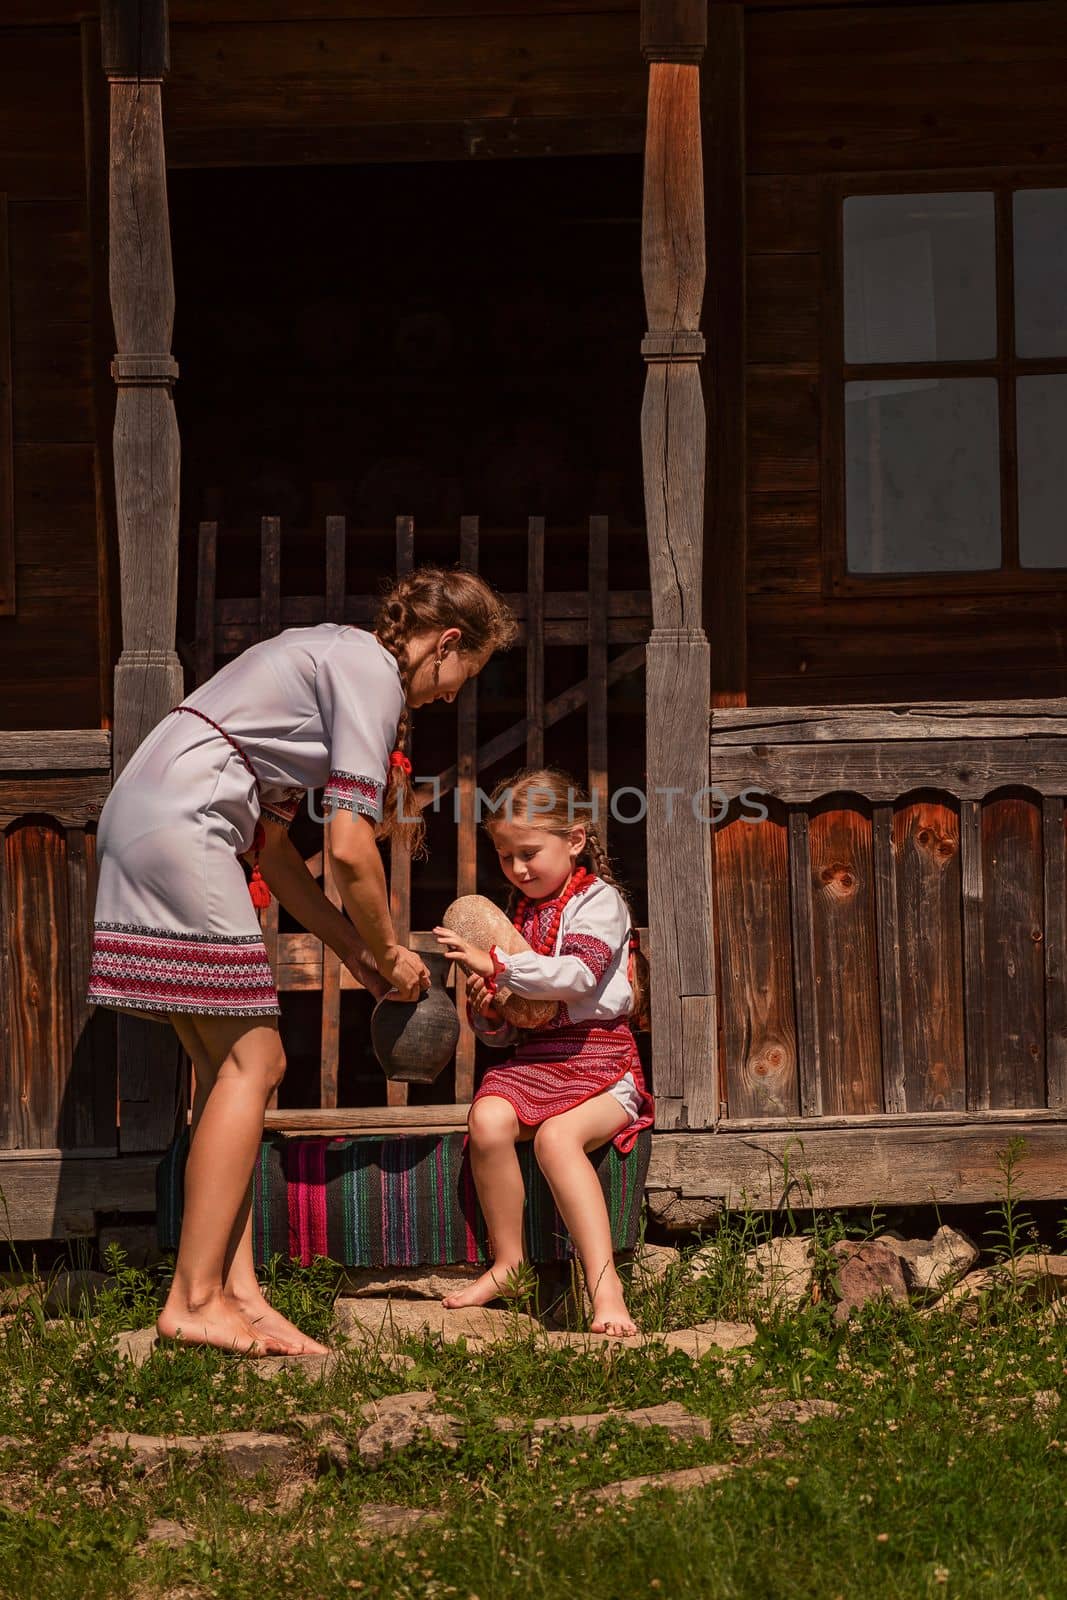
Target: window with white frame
955, 381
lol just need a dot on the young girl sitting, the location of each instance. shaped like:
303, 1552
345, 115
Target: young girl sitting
575, 1083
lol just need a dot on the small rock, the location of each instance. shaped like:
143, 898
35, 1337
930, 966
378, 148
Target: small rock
313, 1422
933, 1265
682, 1214
418, 1283
391, 1321
867, 1271
136, 1345
781, 1271
392, 1520
74, 1293
652, 1262
164, 1531
707, 1336
444, 1429
289, 1495
315, 1366
762, 1421
146, 1451
1038, 1279
686, 1478
247, 1453
244, 1453
674, 1418
389, 1405
334, 1454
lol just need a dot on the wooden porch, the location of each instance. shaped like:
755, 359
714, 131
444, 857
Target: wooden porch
858, 997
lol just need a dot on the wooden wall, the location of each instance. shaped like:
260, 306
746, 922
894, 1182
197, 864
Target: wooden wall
50, 656
906, 89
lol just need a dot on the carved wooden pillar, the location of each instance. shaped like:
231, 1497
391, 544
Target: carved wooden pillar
673, 36
148, 677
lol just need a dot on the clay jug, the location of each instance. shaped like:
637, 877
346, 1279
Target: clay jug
415, 1039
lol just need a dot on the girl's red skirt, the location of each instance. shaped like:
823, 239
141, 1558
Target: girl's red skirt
556, 1069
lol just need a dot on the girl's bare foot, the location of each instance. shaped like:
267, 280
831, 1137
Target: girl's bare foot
609, 1312
216, 1323
270, 1324
490, 1286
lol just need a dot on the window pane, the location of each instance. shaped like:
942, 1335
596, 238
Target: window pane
1041, 410
922, 477
1040, 274
920, 277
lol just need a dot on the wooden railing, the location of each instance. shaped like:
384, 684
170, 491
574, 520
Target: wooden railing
593, 619
893, 937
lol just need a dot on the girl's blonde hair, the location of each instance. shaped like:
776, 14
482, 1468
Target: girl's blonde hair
547, 798
429, 600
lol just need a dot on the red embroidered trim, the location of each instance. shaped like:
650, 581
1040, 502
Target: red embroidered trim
593, 953
350, 791
143, 968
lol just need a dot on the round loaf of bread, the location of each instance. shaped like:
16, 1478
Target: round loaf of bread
474, 917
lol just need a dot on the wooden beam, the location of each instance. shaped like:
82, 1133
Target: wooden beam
56, 750
58, 1196
7, 437
952, 1163
726, 493
673, 434
926, 719
148, 678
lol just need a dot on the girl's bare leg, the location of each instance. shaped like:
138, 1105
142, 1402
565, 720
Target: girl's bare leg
239, 1282
560, 1145
494, 1132
247, 1062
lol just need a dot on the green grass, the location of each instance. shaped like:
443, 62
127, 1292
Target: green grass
937, 1446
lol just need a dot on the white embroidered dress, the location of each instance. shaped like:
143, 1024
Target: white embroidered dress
175, 929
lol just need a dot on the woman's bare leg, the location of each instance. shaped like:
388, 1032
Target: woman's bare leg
561, 1145
494, 1132
239, 1282
246, 1059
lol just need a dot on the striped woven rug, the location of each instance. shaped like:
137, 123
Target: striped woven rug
397, 1202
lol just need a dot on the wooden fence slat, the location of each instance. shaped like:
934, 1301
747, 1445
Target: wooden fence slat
759, 1036
206, 566
560, 706
7, 1001
1054, 820
1013, 976
80, 1110
270, 561
535, 644
809, 1065
467, 832
400, 859
930, 959
846, 999
335, 569
40, 994
331, 1002
598, 672
973, 955
887, 923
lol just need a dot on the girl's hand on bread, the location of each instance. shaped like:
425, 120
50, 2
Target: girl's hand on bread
481, 999
473, 961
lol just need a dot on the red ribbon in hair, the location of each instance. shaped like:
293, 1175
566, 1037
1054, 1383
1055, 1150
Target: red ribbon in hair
399, 759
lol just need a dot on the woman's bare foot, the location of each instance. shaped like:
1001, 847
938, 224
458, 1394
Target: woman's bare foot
490, 1286
270, 1324
218, 1324
609, 1312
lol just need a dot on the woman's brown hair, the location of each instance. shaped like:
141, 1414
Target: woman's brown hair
429, 600
530, 792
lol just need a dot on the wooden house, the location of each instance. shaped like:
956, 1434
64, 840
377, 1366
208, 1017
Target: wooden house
730, 341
